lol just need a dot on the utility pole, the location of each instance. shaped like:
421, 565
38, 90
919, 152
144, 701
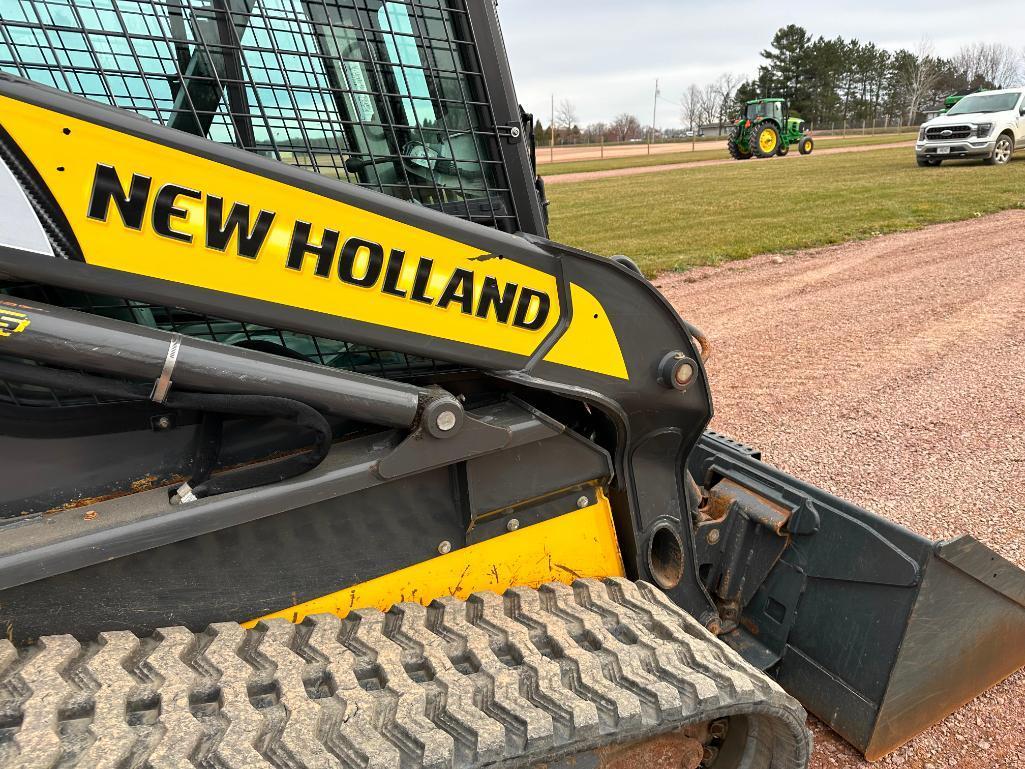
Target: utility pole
654, 115
551, 146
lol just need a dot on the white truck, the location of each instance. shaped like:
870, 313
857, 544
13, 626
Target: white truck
988, 125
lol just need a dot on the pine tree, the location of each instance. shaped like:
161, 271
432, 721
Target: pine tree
786, 70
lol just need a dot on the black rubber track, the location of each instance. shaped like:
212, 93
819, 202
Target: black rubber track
527, 677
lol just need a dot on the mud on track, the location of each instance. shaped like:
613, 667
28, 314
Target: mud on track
892, 373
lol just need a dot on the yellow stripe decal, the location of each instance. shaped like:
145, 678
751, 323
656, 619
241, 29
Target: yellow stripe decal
579, 544
144, 208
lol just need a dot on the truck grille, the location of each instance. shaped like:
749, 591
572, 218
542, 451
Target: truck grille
943, 133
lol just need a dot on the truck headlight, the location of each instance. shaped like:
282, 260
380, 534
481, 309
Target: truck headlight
982, 130
921, 134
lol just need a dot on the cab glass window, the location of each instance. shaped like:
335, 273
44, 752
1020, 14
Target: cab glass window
384, 93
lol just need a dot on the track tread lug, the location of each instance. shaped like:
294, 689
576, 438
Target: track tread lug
181, 732
298, 743
520, 679
353, 737
473, 730
407, 725
528, 728
38, 741
114, 738
618, 709
573, 715
236, 748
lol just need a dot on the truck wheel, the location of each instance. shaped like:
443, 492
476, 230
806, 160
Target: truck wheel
928, 162
765, 140
1002, 152
784, 148
806, 146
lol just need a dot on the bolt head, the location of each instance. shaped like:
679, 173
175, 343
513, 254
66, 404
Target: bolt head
446, 421
583, 502
445, 547
513, 525
163, 423
712, 537
515, 132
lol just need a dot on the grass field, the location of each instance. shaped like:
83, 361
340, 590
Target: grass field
643, 161
691, 217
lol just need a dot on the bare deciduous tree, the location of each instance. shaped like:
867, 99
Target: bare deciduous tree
919, 75
710, 104
625, 127
995, 63
726, 85
690, 106
595, 132
566, 114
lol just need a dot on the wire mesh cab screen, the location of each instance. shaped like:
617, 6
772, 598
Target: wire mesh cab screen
388, 94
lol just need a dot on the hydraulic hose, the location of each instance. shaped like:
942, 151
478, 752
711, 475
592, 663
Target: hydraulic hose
202, 483
701, 338
262, 474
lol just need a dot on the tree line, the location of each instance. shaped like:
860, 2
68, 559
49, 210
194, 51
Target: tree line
828, 82
843, 82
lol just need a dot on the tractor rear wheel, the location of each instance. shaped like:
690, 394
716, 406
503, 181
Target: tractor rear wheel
734, 145
806, 146
765, 140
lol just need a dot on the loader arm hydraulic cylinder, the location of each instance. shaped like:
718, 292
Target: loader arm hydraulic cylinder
69, 338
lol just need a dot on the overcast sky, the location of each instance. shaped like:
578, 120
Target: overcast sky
604, 55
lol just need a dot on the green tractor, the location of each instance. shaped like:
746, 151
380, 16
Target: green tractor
768, 129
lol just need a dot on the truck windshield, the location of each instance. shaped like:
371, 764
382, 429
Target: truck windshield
986, 102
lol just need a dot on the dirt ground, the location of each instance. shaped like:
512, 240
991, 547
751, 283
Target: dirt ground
567, 153
892, 373
585, 176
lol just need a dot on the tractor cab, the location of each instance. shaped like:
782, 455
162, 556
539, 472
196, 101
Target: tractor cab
760, 109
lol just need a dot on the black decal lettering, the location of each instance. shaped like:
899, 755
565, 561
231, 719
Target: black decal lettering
544, 305
301, 246
107, 187
164, 209
219, 230
421, 280
459, 289
393, 273
347, 262
489, 297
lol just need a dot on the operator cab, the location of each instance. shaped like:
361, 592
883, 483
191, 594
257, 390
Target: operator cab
766, 108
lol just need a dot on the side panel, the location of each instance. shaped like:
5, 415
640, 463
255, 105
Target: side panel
549, 552
143, 208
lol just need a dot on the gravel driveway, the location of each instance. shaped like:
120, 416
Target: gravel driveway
892, 373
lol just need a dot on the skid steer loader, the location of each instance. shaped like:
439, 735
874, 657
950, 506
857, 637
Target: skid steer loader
316, 451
